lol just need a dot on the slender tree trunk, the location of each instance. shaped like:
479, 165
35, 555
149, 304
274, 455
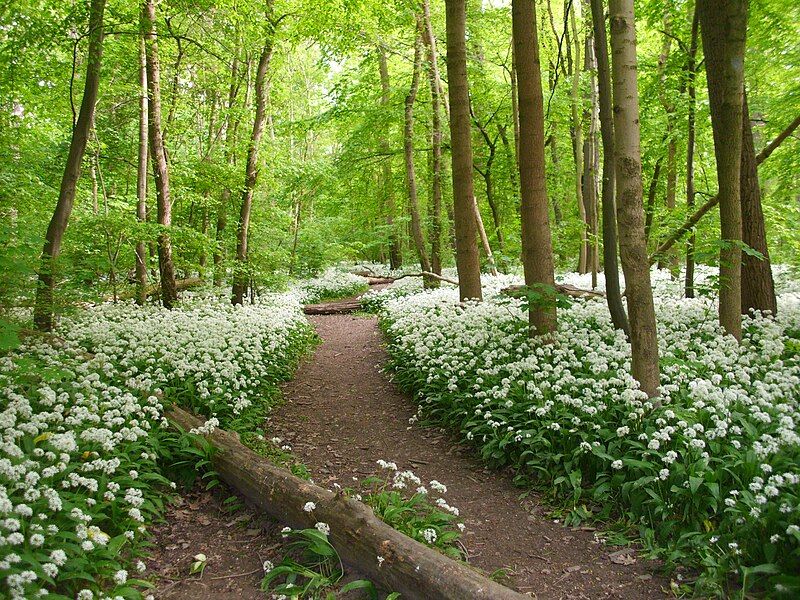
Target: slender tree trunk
43, 313
652, 189
577, 139
231, 125
512, 158
514, 106
408, 151
141, 176
436, 142
467, 261
670, 261
591, 161
758, 286
630, 212
241, 276
486, 173
537, 250
691, 77
723, 31
610, 265
169, 292
395, 250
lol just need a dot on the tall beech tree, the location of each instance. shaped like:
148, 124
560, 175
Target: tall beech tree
141, 175
436, 140
241, 277
630, 211
408, 154
723, 29
537, 251
467, 260
43, 313
169, 291
608, 204
758, 285
387, 180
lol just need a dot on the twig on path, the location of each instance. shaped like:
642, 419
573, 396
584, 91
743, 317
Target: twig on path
236, 575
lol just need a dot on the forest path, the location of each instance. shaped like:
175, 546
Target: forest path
342, 413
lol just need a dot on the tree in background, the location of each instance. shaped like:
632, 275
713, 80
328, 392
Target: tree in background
537, 251
467, 261
43, 317
630, 210
166, 268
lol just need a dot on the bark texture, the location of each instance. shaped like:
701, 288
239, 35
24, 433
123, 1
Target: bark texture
608, 205
691, 77
758, 286
467, 260
43, 314
723, 32
630, 212
537, 250
169, 293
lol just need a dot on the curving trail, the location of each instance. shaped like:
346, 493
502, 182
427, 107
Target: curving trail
342, 414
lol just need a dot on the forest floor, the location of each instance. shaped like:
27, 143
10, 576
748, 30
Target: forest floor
341, 413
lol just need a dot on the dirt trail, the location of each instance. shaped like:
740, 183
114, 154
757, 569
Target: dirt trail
342, 414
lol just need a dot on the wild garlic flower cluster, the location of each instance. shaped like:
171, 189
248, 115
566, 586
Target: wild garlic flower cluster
81, 426
720, 453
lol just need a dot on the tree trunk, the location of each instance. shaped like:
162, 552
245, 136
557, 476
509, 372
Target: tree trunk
43, 318
591, 161
241, 277
723, 31
514, 106
486, 173
436, 141
169, 293
467, 261
630, 212
141, 176
577, 141
610, 265
395, 250
408, 151
537, 250
231, 125
691, 77
758, 286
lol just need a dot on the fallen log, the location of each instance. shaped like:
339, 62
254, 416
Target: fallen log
362, 540
339, 307
373, 280
561, 288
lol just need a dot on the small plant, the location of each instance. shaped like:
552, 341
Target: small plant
409, 507
315, 572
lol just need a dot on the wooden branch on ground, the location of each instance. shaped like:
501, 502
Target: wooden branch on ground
408, 567
561, 288
373, 280
338, 307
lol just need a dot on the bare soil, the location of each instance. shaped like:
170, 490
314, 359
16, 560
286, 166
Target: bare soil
341, 414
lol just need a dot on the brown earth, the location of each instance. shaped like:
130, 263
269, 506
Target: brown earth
341, 414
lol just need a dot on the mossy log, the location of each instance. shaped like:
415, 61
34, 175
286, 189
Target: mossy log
408, 567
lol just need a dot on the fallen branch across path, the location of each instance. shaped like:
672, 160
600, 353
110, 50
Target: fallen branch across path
408, 567
339, 307
561, 288
372, 279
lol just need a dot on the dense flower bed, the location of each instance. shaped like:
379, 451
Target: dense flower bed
711, 476
84, 452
